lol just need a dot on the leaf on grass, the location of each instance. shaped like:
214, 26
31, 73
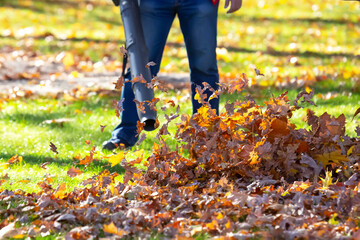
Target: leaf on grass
15, 159
53, 148
72, 172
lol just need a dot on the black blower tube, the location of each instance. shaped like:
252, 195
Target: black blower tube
139, 58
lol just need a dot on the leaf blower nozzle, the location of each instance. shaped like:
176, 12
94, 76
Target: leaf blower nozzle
138, 55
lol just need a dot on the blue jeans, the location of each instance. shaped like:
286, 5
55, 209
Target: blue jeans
198, 23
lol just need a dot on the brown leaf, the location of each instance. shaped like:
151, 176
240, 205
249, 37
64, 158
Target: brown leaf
102, 127
53, 148
356, 113
119, 83
72, 172
257, 71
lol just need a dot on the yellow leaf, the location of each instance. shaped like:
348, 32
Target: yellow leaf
213, 225
60, 191
350, 151
197, 96
111, 228
19, 236
335, 157
308, 90
68, 60
228, 224
115, 159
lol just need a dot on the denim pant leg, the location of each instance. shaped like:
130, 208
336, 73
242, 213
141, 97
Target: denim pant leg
156, 18
198, 22
125, 132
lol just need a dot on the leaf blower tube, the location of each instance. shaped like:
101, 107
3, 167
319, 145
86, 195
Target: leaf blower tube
138, 55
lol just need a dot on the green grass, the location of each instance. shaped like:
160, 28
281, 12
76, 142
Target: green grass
24, 132
323, 37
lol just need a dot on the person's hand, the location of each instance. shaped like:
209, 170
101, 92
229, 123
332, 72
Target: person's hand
235, 5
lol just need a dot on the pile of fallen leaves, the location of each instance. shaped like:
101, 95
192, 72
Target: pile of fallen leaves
249, 174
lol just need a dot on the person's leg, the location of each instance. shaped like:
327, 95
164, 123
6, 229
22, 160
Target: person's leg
198, 21
157, 17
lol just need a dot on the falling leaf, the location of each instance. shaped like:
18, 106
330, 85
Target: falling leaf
356, 113
119, 83
53, 148
116, 159
258, 72
88, 142
123, 50
72, 172
102, 127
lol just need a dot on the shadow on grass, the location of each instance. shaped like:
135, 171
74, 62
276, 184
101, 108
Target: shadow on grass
304, 54
64, 162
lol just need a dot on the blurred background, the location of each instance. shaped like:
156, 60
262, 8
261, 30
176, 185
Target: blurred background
293, 43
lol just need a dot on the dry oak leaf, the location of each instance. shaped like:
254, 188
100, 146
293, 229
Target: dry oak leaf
119, 83
72, 172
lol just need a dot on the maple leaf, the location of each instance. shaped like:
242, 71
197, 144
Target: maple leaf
72, 172
116, 159
331, 157
53, 148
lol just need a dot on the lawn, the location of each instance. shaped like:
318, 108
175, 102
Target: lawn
296, 45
